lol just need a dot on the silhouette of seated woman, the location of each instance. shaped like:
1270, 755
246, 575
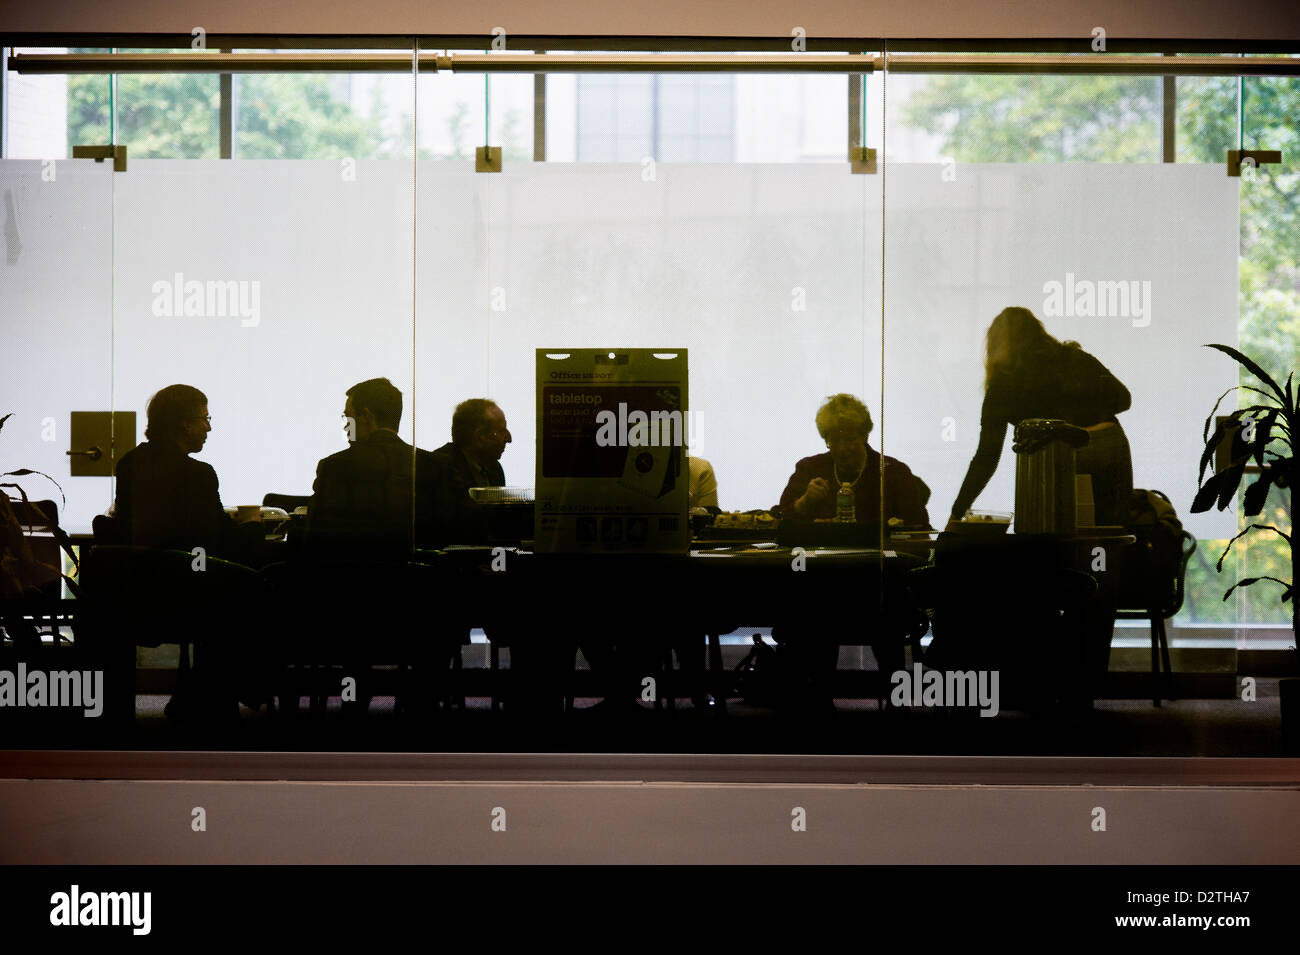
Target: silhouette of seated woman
844, 423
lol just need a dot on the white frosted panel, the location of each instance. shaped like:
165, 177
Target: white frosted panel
958, 252
769, 275
453, 298
328, 260
55, 298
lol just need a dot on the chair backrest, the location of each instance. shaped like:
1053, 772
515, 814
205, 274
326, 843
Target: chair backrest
107, 530
36, 514
1176, 603
168, 594
1161, 595
380, 605
40, 523
289, 502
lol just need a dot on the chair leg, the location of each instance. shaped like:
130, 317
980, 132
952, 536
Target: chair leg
1164, 654
669, 688
458, 666
720, 677
494, 664
569, 676
661, 679
1155, 661
319, 697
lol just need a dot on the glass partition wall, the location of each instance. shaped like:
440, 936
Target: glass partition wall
344, 233
1049, 193
57, 301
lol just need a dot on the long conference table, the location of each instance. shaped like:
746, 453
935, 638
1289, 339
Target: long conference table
663, 599
857, 594
850, 595
843, 595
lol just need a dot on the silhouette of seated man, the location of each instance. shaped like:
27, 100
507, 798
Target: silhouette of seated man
167, 499
367, 503
472, 458
370, 508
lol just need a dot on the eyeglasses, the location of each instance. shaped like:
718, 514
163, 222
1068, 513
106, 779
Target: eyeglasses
202, 417
841, 437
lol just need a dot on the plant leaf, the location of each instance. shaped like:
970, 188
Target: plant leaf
1211, 443
1251, 527
11, 414
23, 472
1207, 494
1264, 433
1230, 481
1269, 527
1247, 581
1253, 368
1219, 489
1204, 498
1205, 432
1256, 494
19, 489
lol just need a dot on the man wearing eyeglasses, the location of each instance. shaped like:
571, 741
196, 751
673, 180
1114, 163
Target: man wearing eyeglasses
471, 459
165, 498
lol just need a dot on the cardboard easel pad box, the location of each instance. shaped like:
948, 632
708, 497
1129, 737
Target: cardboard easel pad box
611, 451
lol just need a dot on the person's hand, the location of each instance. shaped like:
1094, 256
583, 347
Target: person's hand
819, 489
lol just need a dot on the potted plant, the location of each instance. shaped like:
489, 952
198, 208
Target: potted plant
1263, 433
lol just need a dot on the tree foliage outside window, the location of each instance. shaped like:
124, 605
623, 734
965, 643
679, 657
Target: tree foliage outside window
280, 116
1118, 119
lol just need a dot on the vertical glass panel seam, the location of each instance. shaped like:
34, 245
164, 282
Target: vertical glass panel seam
415, 178
882, 166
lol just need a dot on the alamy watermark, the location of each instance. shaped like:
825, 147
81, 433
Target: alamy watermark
638, 429
635, 428
214, 298
70, 688
1086, 298
75, 907
946, 688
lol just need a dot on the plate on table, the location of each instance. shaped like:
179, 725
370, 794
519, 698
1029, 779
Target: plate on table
502, 495
982, 524
740, 526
